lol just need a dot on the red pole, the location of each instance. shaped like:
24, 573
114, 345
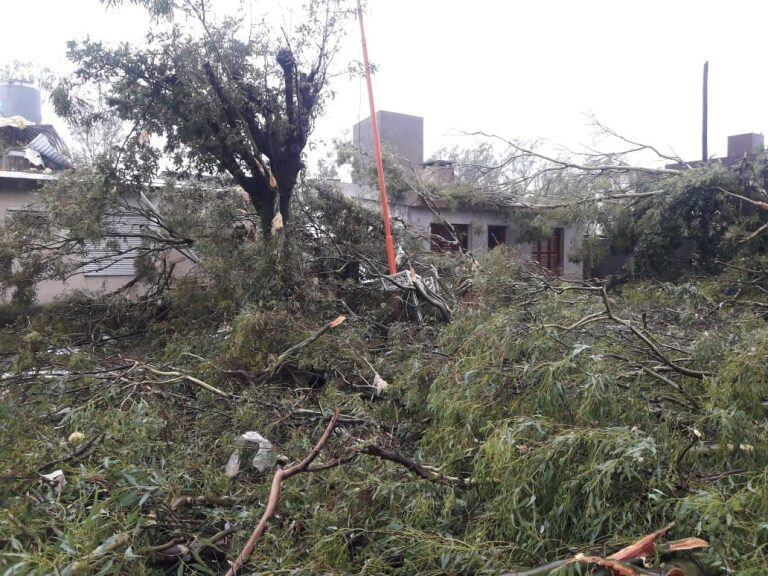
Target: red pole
377, 150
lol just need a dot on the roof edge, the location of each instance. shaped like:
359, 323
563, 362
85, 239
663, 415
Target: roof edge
27, 175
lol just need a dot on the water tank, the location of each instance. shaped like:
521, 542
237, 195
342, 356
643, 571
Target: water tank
20, 99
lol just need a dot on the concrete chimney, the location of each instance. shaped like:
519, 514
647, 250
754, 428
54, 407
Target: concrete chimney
742, 144
438, 172
403, 134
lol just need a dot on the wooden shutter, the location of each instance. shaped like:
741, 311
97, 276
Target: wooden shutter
549, 253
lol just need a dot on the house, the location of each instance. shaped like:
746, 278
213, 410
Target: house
480, 226
32, 154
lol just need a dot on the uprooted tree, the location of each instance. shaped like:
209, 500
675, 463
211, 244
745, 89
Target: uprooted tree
225, 96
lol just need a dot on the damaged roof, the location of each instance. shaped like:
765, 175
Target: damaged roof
32, 146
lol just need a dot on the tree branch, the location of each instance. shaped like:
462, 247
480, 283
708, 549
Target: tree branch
425, 472
272, 370
274, 495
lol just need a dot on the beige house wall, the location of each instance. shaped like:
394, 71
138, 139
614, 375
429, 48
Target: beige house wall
18, 193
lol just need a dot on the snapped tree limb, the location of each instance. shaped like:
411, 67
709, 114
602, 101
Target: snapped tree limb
274, 494
273, 369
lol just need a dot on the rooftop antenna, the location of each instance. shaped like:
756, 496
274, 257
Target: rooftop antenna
377, 150
704, 106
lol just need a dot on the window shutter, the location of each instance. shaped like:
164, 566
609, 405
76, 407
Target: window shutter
549, 253
104, 260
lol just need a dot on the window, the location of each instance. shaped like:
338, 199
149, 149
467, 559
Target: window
497, 236
549, 253
441, 239
117, 256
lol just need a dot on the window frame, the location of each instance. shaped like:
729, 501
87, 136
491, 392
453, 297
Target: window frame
441, 239
543, 251
499, 240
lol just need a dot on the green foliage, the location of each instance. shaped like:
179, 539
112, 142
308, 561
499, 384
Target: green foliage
549, 483
693, 219
742, 380
567, 444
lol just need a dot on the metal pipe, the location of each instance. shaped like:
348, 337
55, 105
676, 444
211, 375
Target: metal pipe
377, 150
704, 114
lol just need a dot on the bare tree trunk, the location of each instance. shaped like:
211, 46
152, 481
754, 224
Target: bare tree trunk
262, 196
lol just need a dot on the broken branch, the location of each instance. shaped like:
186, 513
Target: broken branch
181, 376
420, 470
277, 481
272, 370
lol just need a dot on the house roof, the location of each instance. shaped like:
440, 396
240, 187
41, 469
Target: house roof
457, 197
27, 175
38, 145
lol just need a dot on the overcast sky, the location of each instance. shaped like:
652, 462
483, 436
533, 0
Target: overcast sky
529, 70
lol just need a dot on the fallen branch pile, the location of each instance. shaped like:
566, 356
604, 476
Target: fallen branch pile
551, 417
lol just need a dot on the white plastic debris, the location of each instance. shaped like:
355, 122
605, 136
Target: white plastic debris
233, 464
56, 478
379, 384
265, 457
264, 460
253, 437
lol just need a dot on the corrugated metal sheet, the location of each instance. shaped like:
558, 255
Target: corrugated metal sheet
43, 146
106, 259
19, 131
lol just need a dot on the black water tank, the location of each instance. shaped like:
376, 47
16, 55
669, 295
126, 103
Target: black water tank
20, 99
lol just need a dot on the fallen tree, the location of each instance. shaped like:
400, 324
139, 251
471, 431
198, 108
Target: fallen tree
550, 418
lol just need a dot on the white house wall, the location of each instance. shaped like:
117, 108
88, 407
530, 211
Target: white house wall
421, 217
47, 291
